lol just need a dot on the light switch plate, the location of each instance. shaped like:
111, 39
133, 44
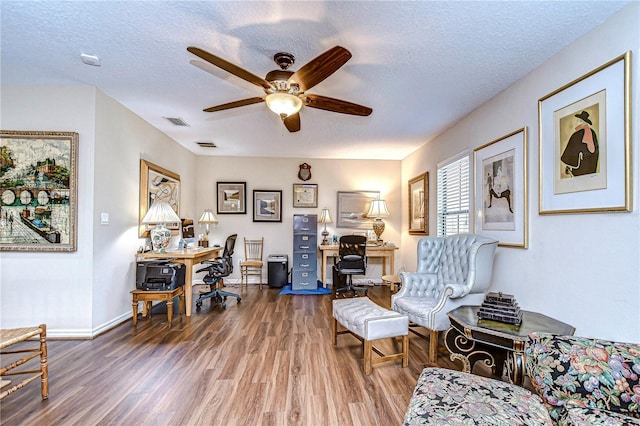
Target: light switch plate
104, 218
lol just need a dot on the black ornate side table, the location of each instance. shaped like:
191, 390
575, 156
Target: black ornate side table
499, 345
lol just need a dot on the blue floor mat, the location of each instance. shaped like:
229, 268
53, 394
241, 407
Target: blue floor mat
320, 290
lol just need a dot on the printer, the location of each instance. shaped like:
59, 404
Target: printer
159, 275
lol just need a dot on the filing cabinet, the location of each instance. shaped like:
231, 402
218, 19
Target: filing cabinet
305, 252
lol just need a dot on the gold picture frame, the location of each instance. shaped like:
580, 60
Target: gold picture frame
501, 190
305, 195
419, 205
39, 191
585, 143
158, 183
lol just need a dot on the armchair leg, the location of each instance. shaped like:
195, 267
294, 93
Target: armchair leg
433, 346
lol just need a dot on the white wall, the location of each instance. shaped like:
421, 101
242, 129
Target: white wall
41, 287
280, 174
580, 268
82, 293
122, 139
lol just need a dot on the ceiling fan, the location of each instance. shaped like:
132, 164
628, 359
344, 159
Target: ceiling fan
285, 89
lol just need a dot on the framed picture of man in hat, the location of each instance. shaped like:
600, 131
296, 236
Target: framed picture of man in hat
580, 162
585, 142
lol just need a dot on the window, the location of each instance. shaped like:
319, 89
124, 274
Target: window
453, 196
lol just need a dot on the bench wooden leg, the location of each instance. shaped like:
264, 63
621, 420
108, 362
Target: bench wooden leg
368, 354
405, 350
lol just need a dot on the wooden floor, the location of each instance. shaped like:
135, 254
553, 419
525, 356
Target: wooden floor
268, 360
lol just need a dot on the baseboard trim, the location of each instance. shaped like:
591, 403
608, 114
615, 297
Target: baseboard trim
85, 333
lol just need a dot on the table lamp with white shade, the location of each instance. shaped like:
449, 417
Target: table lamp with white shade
160, 213
207, 218
325, 218
378, 210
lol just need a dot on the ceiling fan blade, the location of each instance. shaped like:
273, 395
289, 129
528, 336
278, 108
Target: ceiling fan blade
235, 104
229, 67
320, 68
335, 105
292, 122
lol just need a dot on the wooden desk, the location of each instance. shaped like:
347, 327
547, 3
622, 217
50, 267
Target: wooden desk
329, 250
189, 257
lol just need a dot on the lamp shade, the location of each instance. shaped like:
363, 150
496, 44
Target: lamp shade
283, 104
208, 217
325, 217
160, 212
378, 209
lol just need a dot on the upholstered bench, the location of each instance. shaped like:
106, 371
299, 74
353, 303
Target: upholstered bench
369, 322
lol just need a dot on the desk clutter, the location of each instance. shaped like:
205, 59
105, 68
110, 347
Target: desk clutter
500, 307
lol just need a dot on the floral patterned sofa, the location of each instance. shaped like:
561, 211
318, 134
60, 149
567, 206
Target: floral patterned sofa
585, 381
579, 381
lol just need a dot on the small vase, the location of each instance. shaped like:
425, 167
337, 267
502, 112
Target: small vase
160, 237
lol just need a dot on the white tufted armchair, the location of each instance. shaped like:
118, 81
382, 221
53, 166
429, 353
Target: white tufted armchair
452, 271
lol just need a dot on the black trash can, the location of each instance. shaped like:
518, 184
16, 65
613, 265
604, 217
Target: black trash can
277, 270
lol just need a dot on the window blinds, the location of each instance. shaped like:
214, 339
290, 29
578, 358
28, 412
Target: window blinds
453, 197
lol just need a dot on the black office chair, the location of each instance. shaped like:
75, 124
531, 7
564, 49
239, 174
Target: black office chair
351, 260
218, 268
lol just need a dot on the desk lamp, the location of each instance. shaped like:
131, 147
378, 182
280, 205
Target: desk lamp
207, 218
378, 210
325, 218
159, 214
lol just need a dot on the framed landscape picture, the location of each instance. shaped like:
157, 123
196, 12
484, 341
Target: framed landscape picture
353, 207
158, 184
38, 191
419, 205
267, 205
232, 197
585, 142
500, 182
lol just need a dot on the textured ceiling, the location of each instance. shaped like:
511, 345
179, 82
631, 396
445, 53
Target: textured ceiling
421, 66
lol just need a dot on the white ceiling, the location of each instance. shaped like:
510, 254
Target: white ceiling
421, 66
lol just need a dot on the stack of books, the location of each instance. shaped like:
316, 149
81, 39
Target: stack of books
500, 307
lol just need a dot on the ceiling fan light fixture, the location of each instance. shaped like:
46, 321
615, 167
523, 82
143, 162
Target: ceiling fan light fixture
283, 104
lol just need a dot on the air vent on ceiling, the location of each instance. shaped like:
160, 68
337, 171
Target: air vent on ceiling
177, 121
207, 144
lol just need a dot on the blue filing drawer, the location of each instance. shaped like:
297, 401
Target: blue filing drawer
305, 242
304, 261
305, 252
305, 223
